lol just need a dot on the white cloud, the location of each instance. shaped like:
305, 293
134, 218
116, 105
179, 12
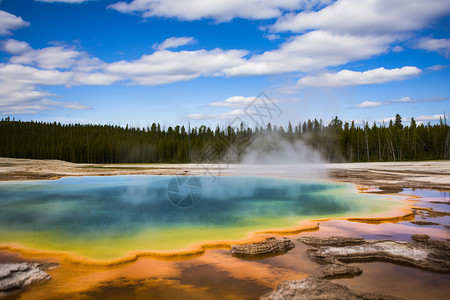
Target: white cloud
56, 57
367, 104
234, 102
386, 120
272, 37
10, 22
19, 74
403, 100
442, 46
347, 77
374, 17
164, 67
30, 68
438, 67
311, 51
18, 91
219, 10
15, 47
174, 42
430, 117
96, 78
22, 97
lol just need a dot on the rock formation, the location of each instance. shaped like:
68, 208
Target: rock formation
427, 254
271, 245
337, 270
331, 241
315, 288
15, 276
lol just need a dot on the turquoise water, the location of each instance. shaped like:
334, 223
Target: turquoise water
105, 217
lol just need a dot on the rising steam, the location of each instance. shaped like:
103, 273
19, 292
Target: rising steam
273, 154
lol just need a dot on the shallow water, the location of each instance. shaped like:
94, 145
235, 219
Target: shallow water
106, 217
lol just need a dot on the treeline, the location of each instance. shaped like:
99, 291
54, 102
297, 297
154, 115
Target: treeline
336, 141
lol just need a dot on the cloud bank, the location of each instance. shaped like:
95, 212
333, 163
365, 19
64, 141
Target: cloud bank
347, 77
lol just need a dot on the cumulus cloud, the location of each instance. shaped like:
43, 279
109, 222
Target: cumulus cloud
15, 47
174, 42
347, 77
369, 29
373, 17
366, 104
9, 22
219, 10
19, 93
376, 24
442, 46
165, 66
311, 51
56, 57
30, 68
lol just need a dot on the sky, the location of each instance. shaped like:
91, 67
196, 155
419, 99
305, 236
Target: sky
209, 62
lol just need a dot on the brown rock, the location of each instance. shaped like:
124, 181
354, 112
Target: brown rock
338, 270
16, 276
420, 237
314, 288
331, 241
271, 245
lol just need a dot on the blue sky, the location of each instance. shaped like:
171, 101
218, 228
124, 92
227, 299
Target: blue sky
203, 61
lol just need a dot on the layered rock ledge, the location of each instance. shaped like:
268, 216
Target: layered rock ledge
315, 288
270, 245
16, 276
424, 253
331, 241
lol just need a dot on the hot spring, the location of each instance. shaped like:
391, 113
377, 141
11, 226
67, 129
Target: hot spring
103, 218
